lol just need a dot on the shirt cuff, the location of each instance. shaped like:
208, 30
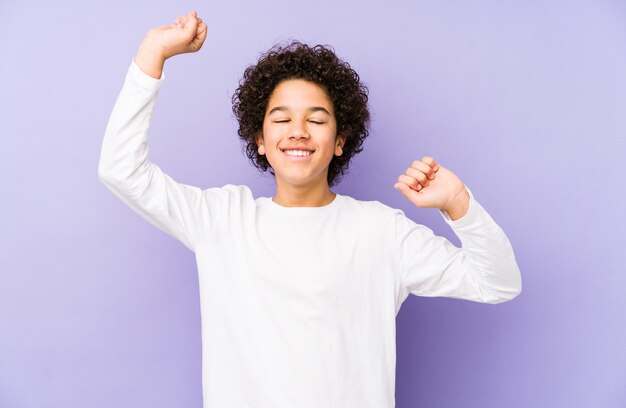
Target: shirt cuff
469, 216
142, 79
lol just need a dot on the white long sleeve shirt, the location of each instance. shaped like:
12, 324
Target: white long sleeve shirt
299, 305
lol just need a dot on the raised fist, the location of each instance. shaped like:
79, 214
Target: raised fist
186, 34
427, 184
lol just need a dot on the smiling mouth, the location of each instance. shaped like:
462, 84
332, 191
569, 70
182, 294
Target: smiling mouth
297, 152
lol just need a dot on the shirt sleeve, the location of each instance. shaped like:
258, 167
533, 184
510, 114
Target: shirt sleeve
482, 270
124, 167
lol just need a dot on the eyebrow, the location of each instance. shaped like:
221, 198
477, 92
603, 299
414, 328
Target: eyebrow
312, 109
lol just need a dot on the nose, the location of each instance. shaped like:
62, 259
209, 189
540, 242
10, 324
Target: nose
298, 130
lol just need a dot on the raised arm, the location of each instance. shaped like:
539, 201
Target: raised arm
483, 270
124, 167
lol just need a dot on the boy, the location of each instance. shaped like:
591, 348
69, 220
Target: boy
299, 292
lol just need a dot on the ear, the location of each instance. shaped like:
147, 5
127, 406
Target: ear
260, 144
341, 140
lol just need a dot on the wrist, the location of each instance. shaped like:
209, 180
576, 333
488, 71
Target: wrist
151, 58
152, 45
459, 205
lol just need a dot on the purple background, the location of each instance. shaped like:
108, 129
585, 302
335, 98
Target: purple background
525, 101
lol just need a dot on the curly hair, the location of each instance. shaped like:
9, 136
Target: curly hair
318, 65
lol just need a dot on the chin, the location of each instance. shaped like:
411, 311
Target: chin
300, 181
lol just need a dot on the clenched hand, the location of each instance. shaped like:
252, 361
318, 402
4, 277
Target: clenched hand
430, 185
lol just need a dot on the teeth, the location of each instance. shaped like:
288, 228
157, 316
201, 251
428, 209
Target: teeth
297, 152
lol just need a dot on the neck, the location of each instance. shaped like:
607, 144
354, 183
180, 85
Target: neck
289, 195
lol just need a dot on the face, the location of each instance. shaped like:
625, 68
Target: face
300, 134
